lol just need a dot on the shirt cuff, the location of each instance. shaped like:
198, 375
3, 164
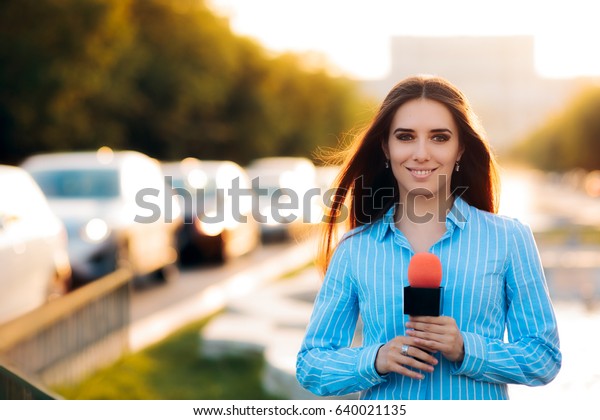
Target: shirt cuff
474, 361
366, 366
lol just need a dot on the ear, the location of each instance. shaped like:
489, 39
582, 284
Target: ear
460, 152
386, 149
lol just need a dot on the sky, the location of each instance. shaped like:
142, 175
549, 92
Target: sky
354, 36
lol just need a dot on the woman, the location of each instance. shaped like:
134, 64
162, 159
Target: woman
421, 178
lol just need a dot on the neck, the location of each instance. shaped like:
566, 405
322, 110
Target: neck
422, 219
424, 209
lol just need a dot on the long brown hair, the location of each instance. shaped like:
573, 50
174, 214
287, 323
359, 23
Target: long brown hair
364, 189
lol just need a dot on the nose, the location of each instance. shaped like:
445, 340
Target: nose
421, 152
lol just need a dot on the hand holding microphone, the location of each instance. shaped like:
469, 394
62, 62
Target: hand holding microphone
403, 354
427, 332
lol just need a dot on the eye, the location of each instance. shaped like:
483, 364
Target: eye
404, 136
441, 138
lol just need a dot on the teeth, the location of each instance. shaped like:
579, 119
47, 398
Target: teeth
420, 172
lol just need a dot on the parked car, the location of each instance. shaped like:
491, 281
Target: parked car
288, 195
34, 262
217, 201
117, 210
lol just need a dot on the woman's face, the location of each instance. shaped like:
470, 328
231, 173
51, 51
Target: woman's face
423, 147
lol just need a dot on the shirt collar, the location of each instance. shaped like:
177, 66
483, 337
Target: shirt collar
459, 213
386, 223
457, 217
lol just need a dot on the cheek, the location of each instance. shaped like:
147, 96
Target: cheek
397, 153
447, 156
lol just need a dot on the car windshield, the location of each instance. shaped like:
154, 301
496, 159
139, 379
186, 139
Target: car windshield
79, 183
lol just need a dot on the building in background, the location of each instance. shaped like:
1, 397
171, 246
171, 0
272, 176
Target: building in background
497, 73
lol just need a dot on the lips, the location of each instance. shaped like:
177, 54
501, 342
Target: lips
420, 172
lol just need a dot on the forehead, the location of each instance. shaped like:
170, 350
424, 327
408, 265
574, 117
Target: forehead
423, 113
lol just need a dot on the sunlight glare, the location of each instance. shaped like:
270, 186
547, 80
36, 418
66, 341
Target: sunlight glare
355, 35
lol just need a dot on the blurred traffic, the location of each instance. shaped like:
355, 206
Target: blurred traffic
110, 225
96, 212
219, 223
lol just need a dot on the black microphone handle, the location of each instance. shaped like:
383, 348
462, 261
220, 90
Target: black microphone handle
422, 301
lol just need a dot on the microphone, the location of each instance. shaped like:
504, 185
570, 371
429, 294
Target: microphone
424, 295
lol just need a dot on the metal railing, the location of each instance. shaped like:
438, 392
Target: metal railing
70, 337
15, 385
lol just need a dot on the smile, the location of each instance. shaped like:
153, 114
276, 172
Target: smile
420, 173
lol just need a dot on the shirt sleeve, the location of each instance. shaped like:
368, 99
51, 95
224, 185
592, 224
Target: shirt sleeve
326, 364
532, 354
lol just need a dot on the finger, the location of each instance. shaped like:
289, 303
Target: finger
410, 366
428, 348
422, 358
425, 326
425, 338
429, 336
436, 320
403, 370
429, 345
445, 346
423, 318
417, 364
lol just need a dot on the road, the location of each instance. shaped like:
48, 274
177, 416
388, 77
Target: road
158, 310
149, 298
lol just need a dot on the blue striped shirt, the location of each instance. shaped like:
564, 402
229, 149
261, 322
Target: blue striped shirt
493, 286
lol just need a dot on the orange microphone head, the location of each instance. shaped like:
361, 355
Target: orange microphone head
425, 271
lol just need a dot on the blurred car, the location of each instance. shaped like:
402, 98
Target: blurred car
117, 210
34, 262
288, 194
218, 221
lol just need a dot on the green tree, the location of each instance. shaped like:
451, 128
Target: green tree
190, 62
61, 63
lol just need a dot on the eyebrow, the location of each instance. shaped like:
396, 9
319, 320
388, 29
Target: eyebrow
410, 130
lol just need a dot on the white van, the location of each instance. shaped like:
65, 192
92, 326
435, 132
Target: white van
117, 209
34, 263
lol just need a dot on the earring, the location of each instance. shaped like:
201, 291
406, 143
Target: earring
387, 164
457, 166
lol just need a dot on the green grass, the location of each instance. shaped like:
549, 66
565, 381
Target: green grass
174, 370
